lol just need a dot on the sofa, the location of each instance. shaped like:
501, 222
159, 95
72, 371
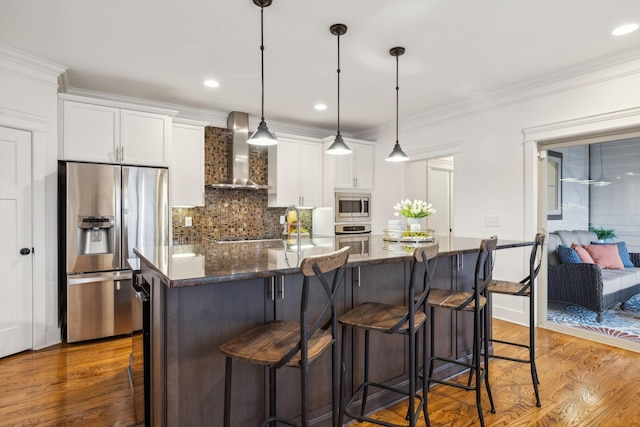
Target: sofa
584, 284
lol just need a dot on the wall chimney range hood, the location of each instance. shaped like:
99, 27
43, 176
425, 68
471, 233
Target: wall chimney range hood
238, 123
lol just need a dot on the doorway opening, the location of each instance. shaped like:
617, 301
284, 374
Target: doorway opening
592, 184
432, 180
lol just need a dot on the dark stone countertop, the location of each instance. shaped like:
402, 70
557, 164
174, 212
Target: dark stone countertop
217, 262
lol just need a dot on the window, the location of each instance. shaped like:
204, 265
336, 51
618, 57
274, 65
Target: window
554, 188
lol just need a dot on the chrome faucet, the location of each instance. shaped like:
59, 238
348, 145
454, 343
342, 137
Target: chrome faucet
298, 226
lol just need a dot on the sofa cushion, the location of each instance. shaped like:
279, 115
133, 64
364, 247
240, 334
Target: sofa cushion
566, 238
605, 256
622, 251
583, 254
580, 237
568, 255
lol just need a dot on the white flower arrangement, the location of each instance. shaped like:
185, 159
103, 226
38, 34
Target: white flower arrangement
415, 209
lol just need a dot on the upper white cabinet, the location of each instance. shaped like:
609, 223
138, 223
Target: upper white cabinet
295, 172
99, 132
350, 171
187, 163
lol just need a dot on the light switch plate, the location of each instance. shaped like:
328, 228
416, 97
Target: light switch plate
492, 221
187, 221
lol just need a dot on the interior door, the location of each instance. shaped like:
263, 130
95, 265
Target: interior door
16, 261
440, 195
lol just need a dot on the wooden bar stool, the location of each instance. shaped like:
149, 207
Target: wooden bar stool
276, 344
474, 302
391, 319
524, 288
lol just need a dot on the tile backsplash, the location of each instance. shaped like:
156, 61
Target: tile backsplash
230, 213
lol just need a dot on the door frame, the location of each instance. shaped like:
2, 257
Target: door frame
41, 181
535, 139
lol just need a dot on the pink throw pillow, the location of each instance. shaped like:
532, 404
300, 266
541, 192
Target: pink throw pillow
583, 254
606, 256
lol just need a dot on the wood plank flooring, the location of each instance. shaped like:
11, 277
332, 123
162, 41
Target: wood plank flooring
581, 384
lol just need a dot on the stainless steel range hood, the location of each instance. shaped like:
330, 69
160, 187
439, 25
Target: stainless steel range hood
238, 123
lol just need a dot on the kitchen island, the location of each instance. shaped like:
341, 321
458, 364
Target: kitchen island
204, 294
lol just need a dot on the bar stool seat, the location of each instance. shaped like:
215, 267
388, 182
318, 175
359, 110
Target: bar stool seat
269, 343
454, 300
380, 317
508, 288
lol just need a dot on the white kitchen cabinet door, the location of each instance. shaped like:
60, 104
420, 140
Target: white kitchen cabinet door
363, 168
90, 132
187, 165
354, 170
145, 138
284, 173
345, 174
310, 174
295, 173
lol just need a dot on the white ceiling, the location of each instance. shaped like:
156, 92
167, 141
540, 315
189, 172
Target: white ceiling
456, 50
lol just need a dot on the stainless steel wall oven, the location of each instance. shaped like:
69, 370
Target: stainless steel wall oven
356, 236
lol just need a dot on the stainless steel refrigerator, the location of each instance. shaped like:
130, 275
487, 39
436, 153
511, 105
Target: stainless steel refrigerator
109, 210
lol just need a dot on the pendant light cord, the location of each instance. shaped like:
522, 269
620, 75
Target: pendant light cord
262, 58
338, 84
397, 95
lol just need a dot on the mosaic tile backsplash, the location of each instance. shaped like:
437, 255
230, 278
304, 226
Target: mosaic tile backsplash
231, 214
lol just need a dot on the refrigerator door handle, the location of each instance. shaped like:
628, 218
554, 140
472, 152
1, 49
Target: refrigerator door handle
80, 279
117, 253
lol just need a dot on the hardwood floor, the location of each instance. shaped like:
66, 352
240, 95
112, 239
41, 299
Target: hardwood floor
83, 384
582, 383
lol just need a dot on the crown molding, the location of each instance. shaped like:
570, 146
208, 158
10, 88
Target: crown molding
440, 150
30, 67
577, 128
210, 117
583, 74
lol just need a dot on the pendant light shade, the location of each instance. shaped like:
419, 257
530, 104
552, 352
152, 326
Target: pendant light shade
339, 146
602, 180
262, 136
397, 155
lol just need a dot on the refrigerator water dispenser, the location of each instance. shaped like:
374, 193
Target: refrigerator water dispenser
96, 235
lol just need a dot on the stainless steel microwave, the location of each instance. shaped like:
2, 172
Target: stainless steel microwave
353, 207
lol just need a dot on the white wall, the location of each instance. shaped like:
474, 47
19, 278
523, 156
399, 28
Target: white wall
29, 89
494, 164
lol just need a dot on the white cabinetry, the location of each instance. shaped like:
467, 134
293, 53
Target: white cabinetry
295, 172
100, 131
187, 163
349, 171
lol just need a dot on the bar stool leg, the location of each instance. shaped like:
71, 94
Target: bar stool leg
365, 391
227, 392
425, 383
532, 350
485, 341
343, 374
272, 394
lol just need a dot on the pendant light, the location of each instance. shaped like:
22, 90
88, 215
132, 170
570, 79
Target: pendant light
339, 146
397, 155
262, 136
602, 180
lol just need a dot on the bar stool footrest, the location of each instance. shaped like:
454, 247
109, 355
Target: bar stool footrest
419, 407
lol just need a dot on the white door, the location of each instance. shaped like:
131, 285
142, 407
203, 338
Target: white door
16, 317
440, 189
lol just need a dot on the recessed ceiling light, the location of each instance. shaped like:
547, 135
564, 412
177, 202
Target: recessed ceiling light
211, 83
320, 107
624, 29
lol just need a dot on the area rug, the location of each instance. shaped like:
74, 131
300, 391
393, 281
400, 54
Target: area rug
622, 324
